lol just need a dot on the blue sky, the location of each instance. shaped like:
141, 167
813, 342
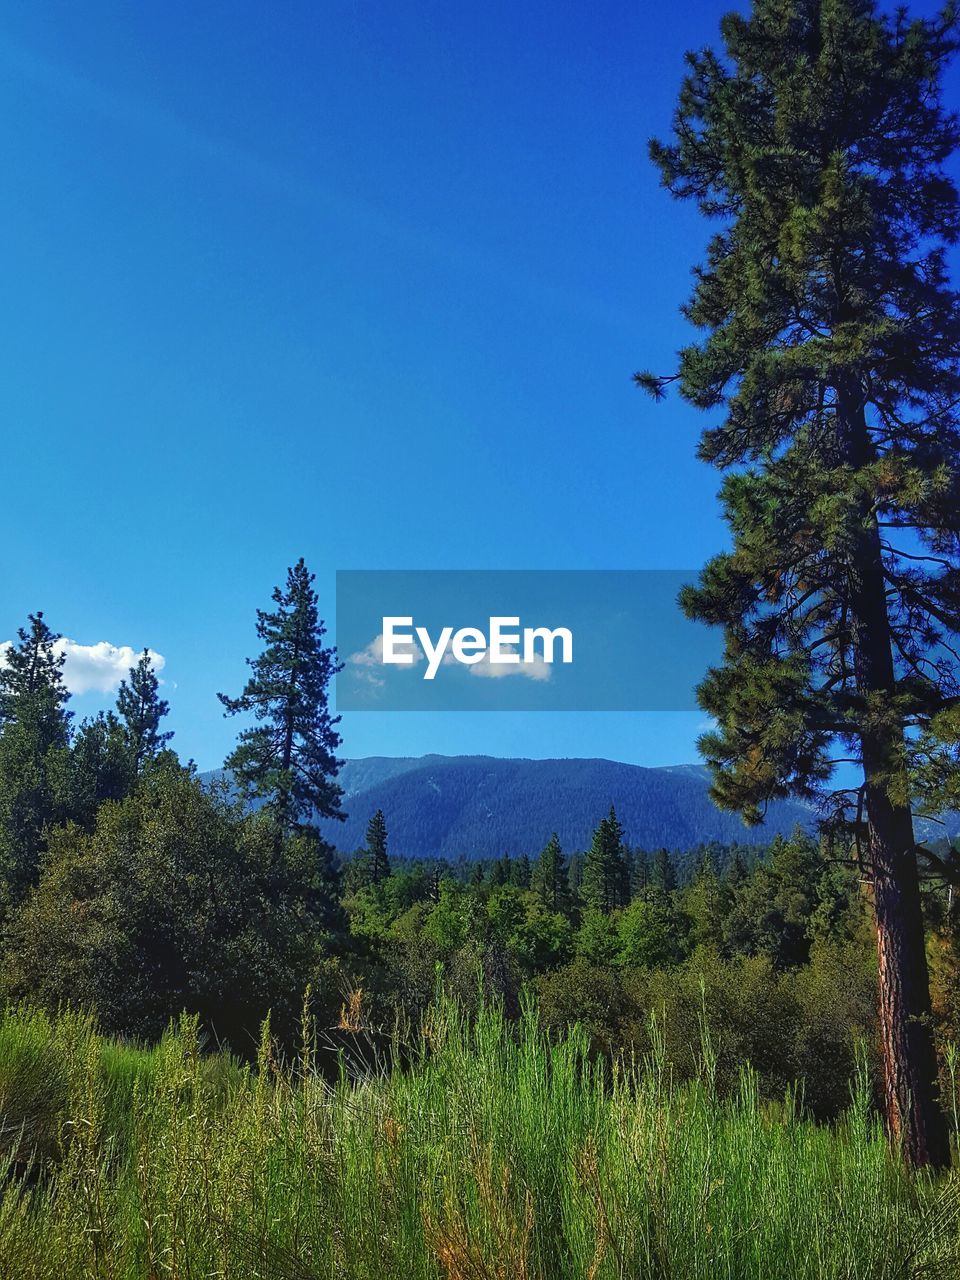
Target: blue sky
360, 282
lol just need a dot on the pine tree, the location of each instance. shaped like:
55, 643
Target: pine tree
832, 339
289, 757
327, 879
575, 875
549, 876
32, 667
34, 737
639, 872
141, 711
377, 861
737, 871
437, 874
500, 871
663, 877
706, 903
520, 874
604, 884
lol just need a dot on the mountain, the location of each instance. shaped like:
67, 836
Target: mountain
482, 806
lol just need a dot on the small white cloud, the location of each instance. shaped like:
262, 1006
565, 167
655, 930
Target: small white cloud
537, 669
95, 668
370, 664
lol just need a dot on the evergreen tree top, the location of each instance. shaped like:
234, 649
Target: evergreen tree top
289, 756
32, 665
141, 710
294, 662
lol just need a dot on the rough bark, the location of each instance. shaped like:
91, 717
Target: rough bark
911, 1095
911, 1092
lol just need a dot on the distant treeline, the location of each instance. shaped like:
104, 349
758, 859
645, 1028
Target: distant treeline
643, 867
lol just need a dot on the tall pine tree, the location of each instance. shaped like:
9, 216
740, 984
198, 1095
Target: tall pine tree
141, 711
817, 141
549, 876
663, 877
377, 859
32, 666
604, 884
521, 872
34, 737
288, 757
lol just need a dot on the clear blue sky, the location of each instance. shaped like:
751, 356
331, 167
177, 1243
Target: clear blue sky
361, 282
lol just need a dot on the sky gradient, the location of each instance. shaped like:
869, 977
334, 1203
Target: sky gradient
360, 282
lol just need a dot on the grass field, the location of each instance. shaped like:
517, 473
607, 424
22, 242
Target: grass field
491, 1155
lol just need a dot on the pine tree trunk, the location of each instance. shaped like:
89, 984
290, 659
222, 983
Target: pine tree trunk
911, 1093
911, 1097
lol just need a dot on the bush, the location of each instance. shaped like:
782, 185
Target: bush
808, 1026
172, 902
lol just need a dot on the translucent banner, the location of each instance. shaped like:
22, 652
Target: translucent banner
518, 640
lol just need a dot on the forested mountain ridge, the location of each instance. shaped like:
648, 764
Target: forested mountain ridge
483, 806
486, 806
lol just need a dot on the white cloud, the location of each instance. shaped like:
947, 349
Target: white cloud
370, 662
536, 669
370, 668
95, 668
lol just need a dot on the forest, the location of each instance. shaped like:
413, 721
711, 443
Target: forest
135, 891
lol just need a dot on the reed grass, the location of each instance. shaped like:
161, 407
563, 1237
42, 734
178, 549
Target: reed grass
492, 1153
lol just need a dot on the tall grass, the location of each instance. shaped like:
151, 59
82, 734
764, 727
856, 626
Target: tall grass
492, 1155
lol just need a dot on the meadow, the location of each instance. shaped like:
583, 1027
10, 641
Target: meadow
476, 1149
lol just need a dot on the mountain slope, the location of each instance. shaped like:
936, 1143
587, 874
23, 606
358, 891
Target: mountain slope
481, 806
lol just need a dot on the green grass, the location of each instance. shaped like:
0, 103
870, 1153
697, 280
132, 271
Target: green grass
493, 1155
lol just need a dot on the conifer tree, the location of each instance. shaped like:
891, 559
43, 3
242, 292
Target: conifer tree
520, 874
436, 876
575, 874
32, 667
288, 757
34, 737
377, 860
604, 883
706, 903
501, 870
737, 871
549, 875
663, 877
141, 710
327, 879
639, 872
831, 339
